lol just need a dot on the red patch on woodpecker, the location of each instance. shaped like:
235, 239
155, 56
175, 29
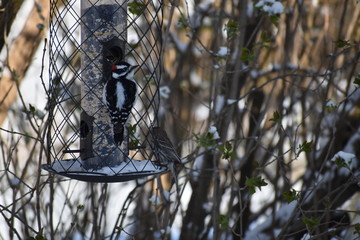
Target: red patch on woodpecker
113, 67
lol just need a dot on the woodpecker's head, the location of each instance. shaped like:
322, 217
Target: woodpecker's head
123, 70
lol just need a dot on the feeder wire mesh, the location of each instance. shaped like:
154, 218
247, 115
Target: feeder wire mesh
85, 40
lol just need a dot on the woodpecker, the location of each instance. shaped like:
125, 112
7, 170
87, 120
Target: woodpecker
119, 96
165, 152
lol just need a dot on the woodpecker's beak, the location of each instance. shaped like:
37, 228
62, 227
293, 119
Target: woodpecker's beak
134, 67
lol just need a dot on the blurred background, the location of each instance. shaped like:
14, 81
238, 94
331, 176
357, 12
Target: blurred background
260, 98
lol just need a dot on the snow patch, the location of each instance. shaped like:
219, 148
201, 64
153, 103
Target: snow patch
164, 92
219, 104
330, 104
348, 161
216, 66
283, 214
202, 113
271, 7
155, 200
306, 236
214, 132
231, 101
223, 51
207, 207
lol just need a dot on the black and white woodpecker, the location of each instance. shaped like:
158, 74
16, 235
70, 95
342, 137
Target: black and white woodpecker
119, 96
165, 152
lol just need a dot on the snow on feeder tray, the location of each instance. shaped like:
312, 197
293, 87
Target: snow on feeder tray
87, 38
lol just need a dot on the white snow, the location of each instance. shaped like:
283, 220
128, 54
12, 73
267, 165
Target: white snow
231, 101
271, 7
207, 207
256, 73
166, 195
219, 104
274, 67
214, 132
202, 113
349, 161
330, 104
164, 92
306, 236
136, 167
277, 8
347, 157
223, 51
196, 80
155, 200
291, 66
181, 46
283, 214
14, 182
250, 10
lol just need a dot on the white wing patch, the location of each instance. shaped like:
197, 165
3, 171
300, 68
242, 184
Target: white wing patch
120, 95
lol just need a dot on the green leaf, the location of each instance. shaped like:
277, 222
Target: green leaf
232, 29
342, 43
276, 117
265, 40
134, 141
132, 129
34, 112
254, 182
182, 23
228, 146
227, 152
274, 19
39, 236
207, 140
247, 55
357, 229
330, 106
223, 221
134, 45
311, 221
357, 80
305, 147
136, 7
341, 163
80, 206
32, 109
291, 195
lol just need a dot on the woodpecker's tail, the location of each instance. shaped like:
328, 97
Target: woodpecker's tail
118, 134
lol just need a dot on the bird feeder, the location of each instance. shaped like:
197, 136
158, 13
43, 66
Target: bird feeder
86, 38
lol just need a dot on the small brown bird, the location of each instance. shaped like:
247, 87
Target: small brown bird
164, 151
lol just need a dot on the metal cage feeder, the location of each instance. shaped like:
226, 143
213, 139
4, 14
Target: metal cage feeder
86, 38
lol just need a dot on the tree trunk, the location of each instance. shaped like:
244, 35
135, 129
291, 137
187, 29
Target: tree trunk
20, 54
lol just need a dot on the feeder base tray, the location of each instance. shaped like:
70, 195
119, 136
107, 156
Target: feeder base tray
125, 171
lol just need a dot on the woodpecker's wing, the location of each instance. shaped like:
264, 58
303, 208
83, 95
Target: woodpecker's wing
130, 93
